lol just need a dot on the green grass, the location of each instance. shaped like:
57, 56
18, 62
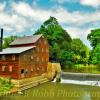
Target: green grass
57, 91
79, 68
5, 85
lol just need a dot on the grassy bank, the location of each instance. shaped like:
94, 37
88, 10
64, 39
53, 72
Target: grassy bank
79, 68
5, 85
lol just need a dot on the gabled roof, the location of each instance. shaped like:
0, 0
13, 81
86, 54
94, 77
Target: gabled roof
16, 50
26, 40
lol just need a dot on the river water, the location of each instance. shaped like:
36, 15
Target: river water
68, 89
57, 91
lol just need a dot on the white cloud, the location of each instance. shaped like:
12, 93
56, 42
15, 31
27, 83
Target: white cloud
25, 16
94, 3
13, 22
2, 6
27, 11
76, 32
76, 18
60, 13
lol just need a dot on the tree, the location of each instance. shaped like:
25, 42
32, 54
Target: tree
95, 56
94, 37
8, 40
59, 40
81, 51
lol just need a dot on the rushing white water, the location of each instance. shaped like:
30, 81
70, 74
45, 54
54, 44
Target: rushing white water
92, 83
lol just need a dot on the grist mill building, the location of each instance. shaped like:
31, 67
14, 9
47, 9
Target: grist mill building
26, 57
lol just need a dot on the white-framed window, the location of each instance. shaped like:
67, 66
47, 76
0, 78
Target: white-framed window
2, 57
37, 68
38, 49
31, 69
42, 49
40, 41
24, 57
3, 68
46, 59
31, 57
46, 50
13, 57
45, 42
42, 59
10, 68
37, 59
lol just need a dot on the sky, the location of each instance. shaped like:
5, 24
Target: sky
24, 17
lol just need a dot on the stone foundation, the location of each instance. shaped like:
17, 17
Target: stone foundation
26, 83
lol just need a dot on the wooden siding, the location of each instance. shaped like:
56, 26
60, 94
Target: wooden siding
33, 62
37, 65
27, 63
42, 53
9, 62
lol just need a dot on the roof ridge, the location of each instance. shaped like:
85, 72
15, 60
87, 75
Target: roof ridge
31, 35
26, 39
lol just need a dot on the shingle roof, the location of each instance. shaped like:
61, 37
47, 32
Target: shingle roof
26, 40
16, 50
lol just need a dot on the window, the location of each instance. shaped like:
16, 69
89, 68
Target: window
37, 59
46, 59
46, 50
45, 42
42, 60
31, 69
10, 68
26, 71
3, 68
37, 68
38, 49
13, 57
40, 41
2, 57
22, 71
31, 57
24, 57
42, 49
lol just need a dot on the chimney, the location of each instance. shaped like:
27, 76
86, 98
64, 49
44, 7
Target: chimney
1, 40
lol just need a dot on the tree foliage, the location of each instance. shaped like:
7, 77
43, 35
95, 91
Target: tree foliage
59, 40
8, 40
81, 51
62, 47
94, 38
95, 55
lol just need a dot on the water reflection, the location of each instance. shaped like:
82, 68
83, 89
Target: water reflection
58, 91
86, 96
